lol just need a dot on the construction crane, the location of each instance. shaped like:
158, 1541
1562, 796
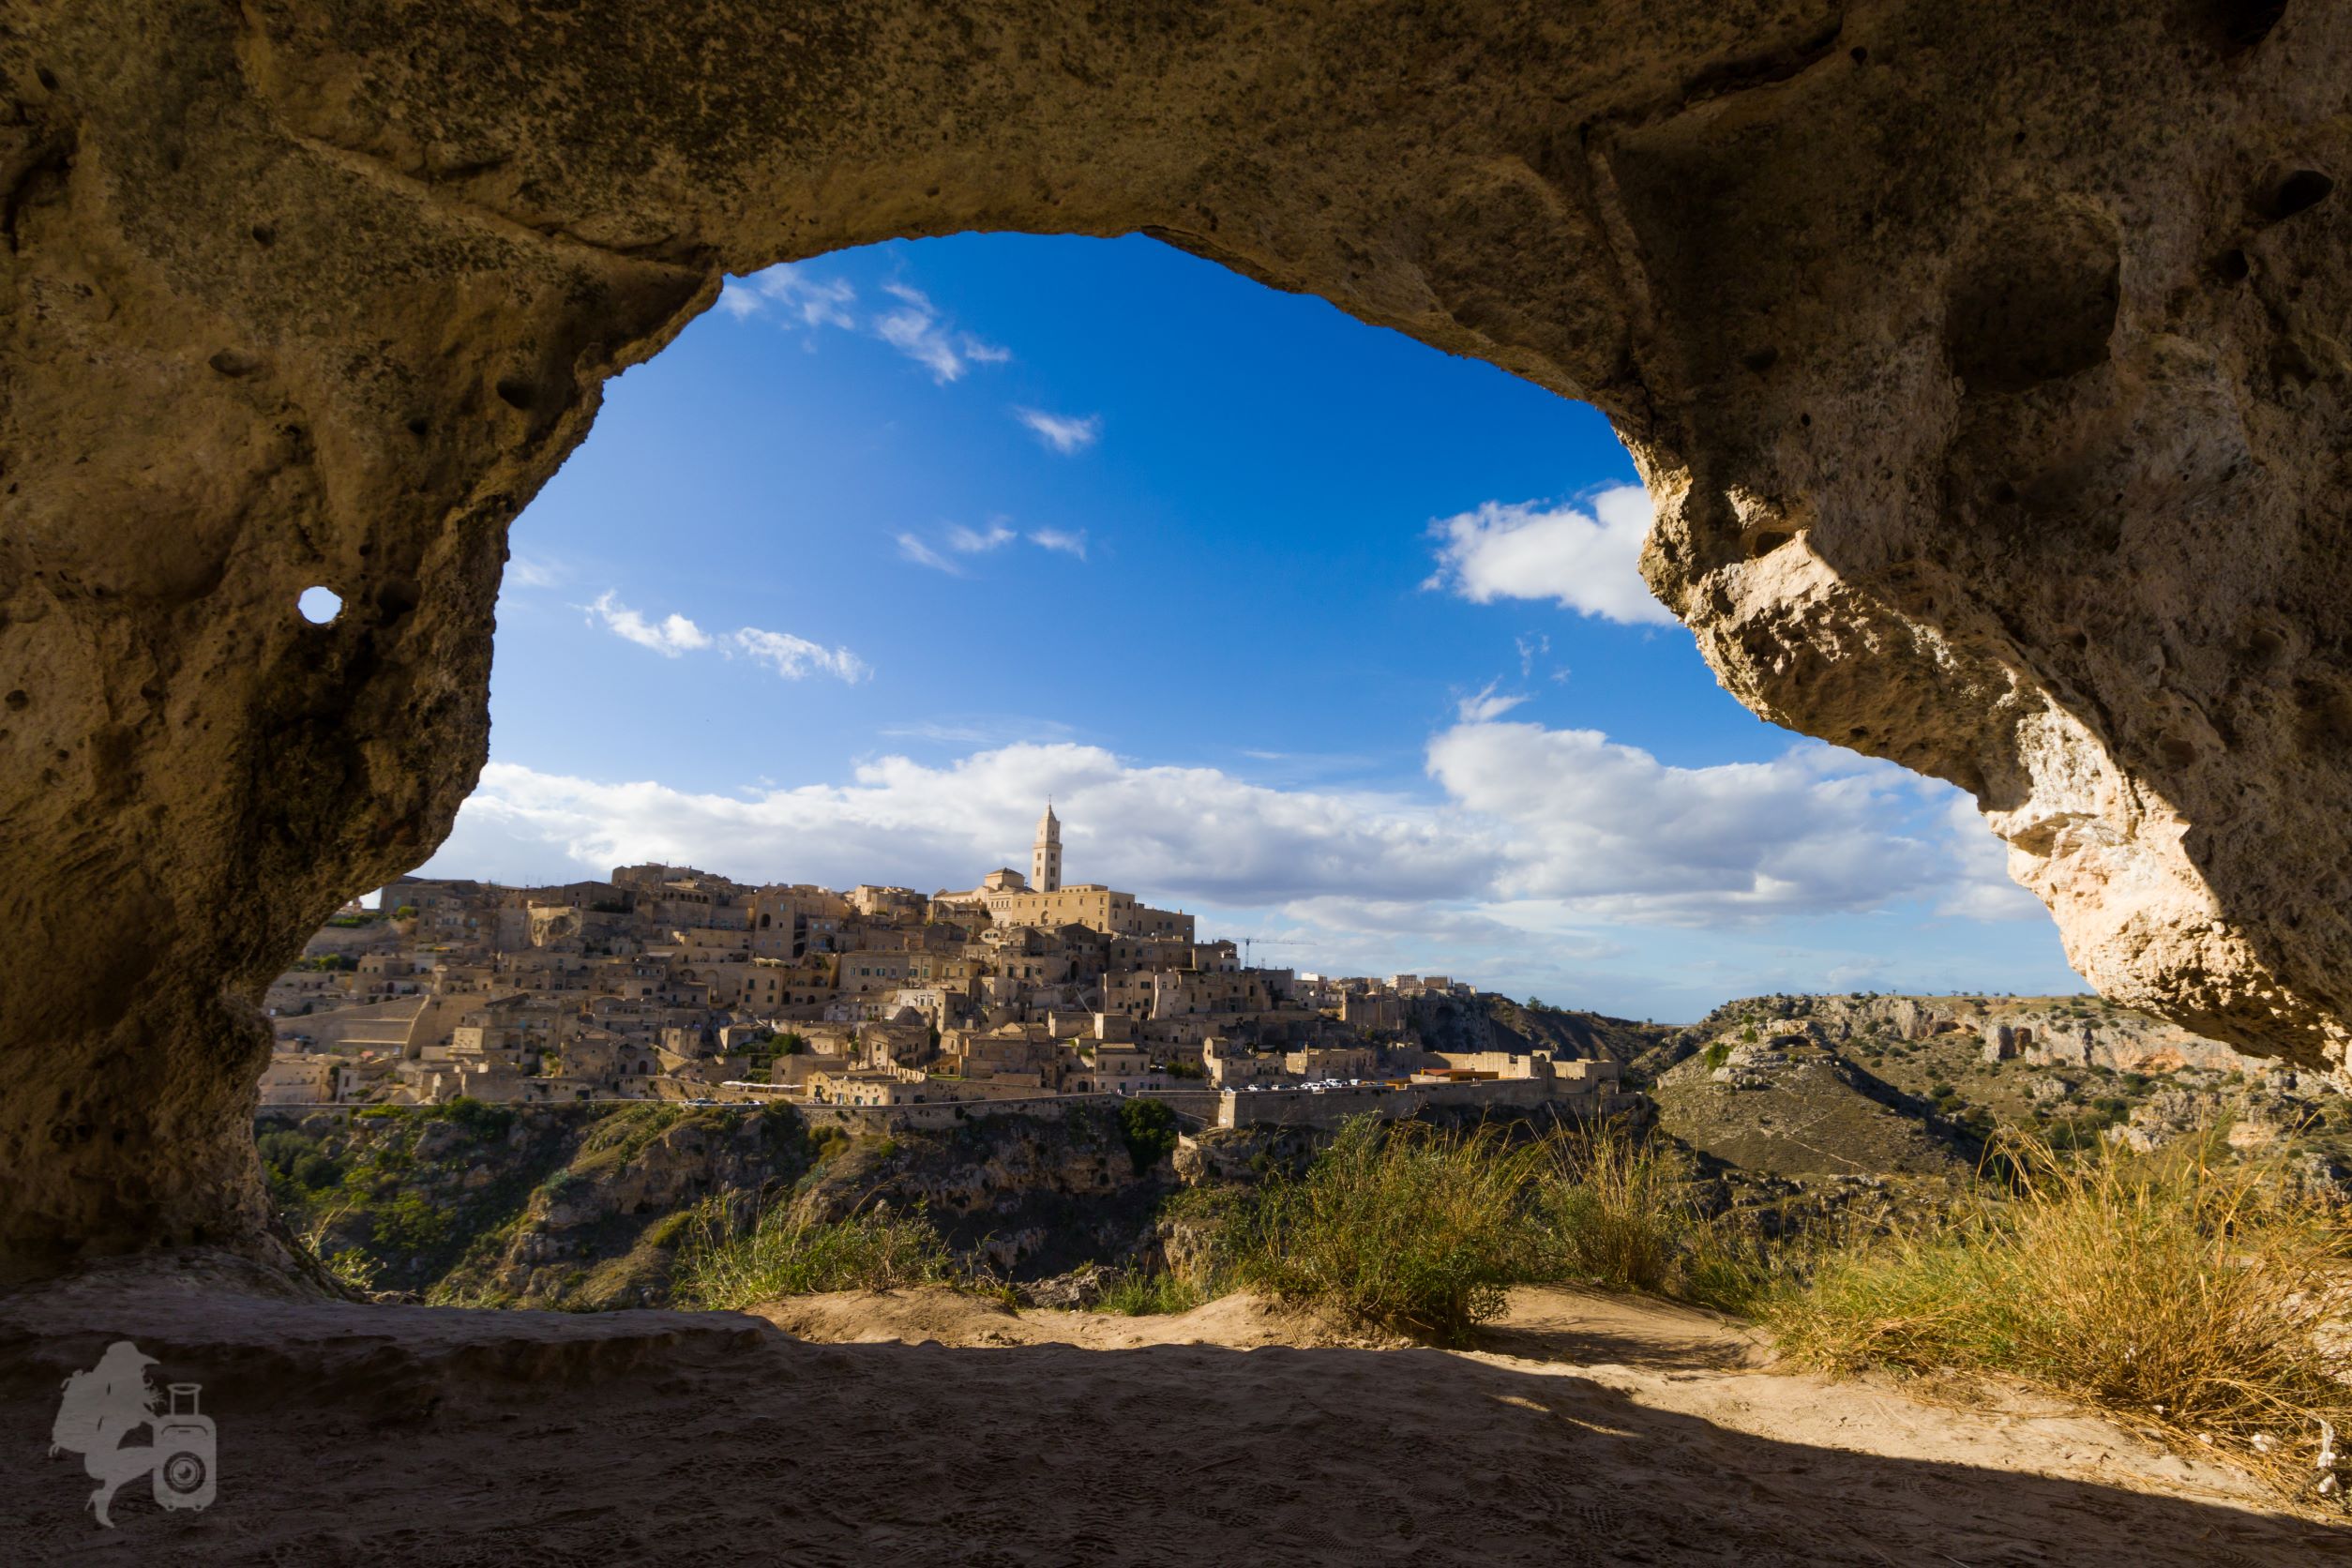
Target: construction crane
1249, 942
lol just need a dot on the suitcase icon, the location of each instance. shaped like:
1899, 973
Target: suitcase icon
185, 1461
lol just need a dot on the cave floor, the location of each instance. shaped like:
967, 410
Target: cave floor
926, 1427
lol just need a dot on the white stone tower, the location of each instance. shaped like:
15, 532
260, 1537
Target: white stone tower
1045, 860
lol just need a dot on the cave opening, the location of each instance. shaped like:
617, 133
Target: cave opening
1300, 623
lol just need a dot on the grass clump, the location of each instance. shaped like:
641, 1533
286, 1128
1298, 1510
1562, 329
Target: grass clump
788, 1252
1402, 1225
2176, 1287
1143, 1293
1623, 1214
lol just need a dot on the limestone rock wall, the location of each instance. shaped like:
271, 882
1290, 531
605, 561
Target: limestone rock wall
1987, 358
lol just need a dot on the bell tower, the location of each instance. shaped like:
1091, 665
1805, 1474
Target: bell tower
1045, 860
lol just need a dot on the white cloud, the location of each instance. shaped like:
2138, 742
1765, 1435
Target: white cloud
917, 330
1544, 829
972, 542
789, 655
529, 571
960, 541
791, 295
795, 656
922, 554
1619, 834
1588, 560
1063, 432
1983, 888
671, 636
1483, 706
789, 291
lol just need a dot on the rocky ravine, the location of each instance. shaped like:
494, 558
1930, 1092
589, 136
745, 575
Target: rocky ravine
588, 1207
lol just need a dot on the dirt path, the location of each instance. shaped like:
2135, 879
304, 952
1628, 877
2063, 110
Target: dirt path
943, 1429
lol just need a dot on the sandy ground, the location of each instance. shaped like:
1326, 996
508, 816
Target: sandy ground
935, 1428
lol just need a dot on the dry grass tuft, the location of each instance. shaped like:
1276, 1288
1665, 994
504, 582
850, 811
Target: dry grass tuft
2178, 1288
787, 1253
1623, 1213
1403, 1226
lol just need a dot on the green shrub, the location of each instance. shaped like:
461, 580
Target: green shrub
478, 1117
410, 1223
1719, 1053
1149, 1128
786, 1253
1402, 1225
1139, 1294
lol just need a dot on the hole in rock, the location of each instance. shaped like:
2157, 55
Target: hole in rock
2299, 191
319, 606
1331, 654
2036, 303
2244, 23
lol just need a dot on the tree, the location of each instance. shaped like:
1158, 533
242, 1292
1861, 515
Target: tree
1149, 1128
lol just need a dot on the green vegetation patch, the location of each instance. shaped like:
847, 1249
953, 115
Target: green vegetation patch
1149, 1129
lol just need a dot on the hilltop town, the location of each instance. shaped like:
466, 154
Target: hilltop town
667, 983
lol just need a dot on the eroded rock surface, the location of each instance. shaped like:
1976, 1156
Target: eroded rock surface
1988, 361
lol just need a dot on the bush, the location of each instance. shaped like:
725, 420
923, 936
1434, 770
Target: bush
1404, 1226
1719, 1053
787, 1253
2171, 1287
1149, 1128
410, 1223
478, 1117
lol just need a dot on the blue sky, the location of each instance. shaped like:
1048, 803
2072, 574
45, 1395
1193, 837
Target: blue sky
1329, 637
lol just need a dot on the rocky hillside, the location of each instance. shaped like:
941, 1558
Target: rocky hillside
1865, 1079
588, 1206
1786, 1106
1492, 1023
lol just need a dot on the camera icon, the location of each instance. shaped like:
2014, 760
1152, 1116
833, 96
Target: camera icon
185, 1452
